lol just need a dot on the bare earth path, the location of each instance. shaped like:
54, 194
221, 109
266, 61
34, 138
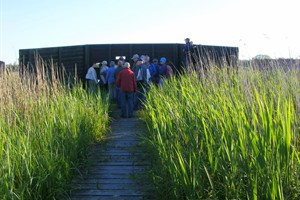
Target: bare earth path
117, 168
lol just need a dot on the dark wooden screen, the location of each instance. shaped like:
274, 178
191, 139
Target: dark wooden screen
83, 56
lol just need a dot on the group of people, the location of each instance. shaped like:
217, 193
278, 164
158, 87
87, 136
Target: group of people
128, 83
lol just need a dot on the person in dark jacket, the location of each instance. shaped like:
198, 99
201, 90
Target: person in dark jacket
116, 73
111, 81
154, 71
142, 75
187, 52
165, 71
127, 82
134, 59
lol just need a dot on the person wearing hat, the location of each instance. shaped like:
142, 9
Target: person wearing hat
134, 58
154, 71
127, 82
142, 74
187, 52
122, 59
111, 80
165, 70
148, 65
91, 77
103, 71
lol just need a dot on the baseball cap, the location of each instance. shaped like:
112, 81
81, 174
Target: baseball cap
163, 59
135, 56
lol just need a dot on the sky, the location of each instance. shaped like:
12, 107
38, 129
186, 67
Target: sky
268, 27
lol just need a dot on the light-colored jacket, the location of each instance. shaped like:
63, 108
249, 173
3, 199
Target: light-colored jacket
91, 75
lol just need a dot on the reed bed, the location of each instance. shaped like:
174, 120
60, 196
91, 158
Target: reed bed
226, 135
46, 128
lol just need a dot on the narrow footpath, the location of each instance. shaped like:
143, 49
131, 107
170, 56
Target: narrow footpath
117, 168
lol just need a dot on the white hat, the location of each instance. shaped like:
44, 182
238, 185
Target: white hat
104, 62
96, 65
135, 56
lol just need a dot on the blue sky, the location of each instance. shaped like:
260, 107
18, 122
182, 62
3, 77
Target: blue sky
270, 27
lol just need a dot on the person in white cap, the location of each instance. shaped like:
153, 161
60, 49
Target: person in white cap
91, 77
103, 71
134, 58
142, 74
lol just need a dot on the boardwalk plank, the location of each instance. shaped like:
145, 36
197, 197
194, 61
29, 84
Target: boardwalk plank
112, 186
123, 163
106, 181
115, 165
106, 198
125, 192
122, 157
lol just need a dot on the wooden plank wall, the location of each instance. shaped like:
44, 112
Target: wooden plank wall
83, 56
2, 66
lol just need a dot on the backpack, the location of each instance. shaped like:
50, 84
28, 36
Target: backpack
143, 74
169, 71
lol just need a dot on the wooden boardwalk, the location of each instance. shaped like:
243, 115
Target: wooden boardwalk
117, 168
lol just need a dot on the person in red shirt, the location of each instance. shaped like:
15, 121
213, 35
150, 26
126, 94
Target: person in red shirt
127, 82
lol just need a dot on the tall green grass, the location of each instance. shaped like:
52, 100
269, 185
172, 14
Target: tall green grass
226, 135
46, 129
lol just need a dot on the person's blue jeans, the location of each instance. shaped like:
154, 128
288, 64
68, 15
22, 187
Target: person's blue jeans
118, 96
126, 103
112, 91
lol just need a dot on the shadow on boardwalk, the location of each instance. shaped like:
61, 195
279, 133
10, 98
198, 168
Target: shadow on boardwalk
116, 168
